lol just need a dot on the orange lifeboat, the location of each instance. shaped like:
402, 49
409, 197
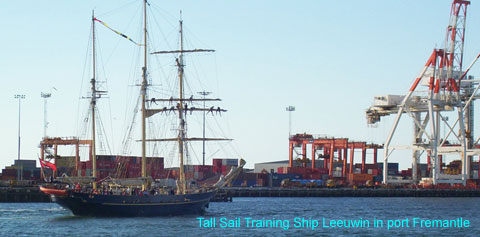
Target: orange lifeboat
57, 192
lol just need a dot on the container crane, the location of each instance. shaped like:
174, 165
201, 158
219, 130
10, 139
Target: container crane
449, 89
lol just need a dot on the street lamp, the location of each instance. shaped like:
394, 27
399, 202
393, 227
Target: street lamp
290, 109
19, 97
204, 93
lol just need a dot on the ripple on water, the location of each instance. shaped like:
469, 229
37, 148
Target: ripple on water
50, 219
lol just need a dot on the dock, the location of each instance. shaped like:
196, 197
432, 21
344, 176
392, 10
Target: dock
33, 194
348, 192
22, 194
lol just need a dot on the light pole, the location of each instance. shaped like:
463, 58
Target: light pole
45, 96
19, 97
290, 109
204, 93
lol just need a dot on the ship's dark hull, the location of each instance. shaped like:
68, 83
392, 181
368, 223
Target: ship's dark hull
83, 204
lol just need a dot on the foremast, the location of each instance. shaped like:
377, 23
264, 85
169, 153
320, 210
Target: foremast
93, 102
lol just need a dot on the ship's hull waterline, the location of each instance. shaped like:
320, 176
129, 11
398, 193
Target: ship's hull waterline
83, 204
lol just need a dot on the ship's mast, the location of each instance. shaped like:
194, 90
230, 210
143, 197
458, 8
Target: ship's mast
181, 132
144, 93
182, 109
93, 101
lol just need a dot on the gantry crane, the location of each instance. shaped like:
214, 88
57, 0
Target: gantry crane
441, 88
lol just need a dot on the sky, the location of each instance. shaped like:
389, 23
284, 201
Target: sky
326, 58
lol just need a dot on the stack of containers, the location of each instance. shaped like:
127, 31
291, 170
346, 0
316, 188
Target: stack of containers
277, 178
9, 174
217, 166
282, 170
262, 180
155, 166
201, 171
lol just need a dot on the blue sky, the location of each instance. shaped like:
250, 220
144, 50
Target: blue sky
327, 58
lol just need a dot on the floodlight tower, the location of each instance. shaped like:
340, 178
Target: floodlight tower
19, 97
45, 96
290, 109
204, 93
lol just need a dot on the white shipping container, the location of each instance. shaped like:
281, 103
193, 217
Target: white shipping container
337, 173
230, 162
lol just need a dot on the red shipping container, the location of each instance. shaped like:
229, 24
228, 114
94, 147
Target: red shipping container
226, 168
315, 176
359, 178
322, 171
217, 162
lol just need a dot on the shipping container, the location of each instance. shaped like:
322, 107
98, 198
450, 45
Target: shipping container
283, 170
286, 176
230, 162
317, 182
251, 183
217, 162
203, 168
378, 178
9, 172
391, 166
354, 178
337, 173
312, 176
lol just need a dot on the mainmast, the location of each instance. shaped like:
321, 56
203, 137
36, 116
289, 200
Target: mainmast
182, 108
93, 102
181, 132
144, 93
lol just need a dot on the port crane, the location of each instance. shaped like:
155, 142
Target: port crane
441, 89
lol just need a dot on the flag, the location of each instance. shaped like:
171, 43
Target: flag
46, 164
117, 32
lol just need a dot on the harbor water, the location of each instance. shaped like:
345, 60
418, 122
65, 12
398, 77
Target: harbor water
261, 217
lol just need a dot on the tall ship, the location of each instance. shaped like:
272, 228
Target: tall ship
141, 196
